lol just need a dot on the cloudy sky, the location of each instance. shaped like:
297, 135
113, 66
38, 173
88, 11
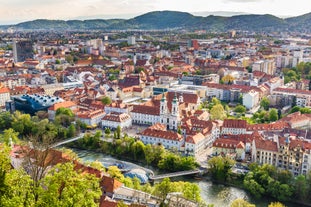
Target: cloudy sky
14, 11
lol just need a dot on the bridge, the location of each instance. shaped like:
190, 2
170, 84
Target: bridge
176, 174
68, 140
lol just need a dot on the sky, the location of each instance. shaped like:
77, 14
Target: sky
15, 11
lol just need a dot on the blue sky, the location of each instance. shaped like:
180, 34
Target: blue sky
14, 11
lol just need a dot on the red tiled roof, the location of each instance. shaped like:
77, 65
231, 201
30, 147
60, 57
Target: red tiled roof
226, 143
234, 123
116, 117
65, 104
4, 90
267, 145
194, 139
163, 134
151, 110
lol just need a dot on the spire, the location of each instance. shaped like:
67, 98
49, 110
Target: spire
163, 98
175, 98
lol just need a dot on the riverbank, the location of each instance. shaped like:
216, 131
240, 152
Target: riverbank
219, 194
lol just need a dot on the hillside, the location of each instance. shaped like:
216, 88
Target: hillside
178, 20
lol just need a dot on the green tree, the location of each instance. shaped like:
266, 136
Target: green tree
63, 186
273, 115
6, 120
64, 111
218, 112
191, 191
239, 202
163, 188
57, 61
106, 100
300, 188
69, 59
240, 109
115, 172
253, 186
118, 132
107, 131
71, 132
264, 103
220, 167
8, 136
276, 204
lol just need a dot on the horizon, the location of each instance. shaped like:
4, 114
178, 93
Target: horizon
130, 16
17, 11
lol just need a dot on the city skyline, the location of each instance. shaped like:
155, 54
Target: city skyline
16, 11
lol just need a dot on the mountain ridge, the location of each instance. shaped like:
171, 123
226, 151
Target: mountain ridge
160, 20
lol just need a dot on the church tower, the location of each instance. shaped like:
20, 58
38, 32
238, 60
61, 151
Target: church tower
163, 105
175, 103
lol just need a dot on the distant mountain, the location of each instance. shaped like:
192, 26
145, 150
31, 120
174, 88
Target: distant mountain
178, 20
218, 13
300, 23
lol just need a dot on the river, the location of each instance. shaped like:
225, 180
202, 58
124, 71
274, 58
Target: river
219, 195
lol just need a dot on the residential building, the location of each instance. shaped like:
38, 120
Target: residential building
113, 120
251, 99
158, 134
229, 147
4, 96
234, 126
92, 118
22, 50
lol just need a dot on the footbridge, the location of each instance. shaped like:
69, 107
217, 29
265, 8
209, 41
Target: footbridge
176, 174
81, 135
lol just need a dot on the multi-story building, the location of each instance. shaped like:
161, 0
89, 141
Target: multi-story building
4, 96
286, 153
234, 126
158, 133
92, 118
251, 99
22, 50
113, 120
303, 97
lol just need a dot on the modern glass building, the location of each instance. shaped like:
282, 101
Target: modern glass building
33, 103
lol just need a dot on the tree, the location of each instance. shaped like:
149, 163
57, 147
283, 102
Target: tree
227, 79
115, 172
276, 204
118, 132
220, 167
241, 203
57, 61
63, 186
107, 131
8, 136
64, 111
253, 186
163, 188
69, 59
240, 109
106, 100
300, 187
273, 115
264, 103
191, 191
218, 112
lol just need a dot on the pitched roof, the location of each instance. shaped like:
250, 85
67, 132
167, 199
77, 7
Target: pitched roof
267, 145
195, 139
234, 123
161, 133
65, 104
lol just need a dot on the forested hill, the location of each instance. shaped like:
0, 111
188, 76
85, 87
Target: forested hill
160, 20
